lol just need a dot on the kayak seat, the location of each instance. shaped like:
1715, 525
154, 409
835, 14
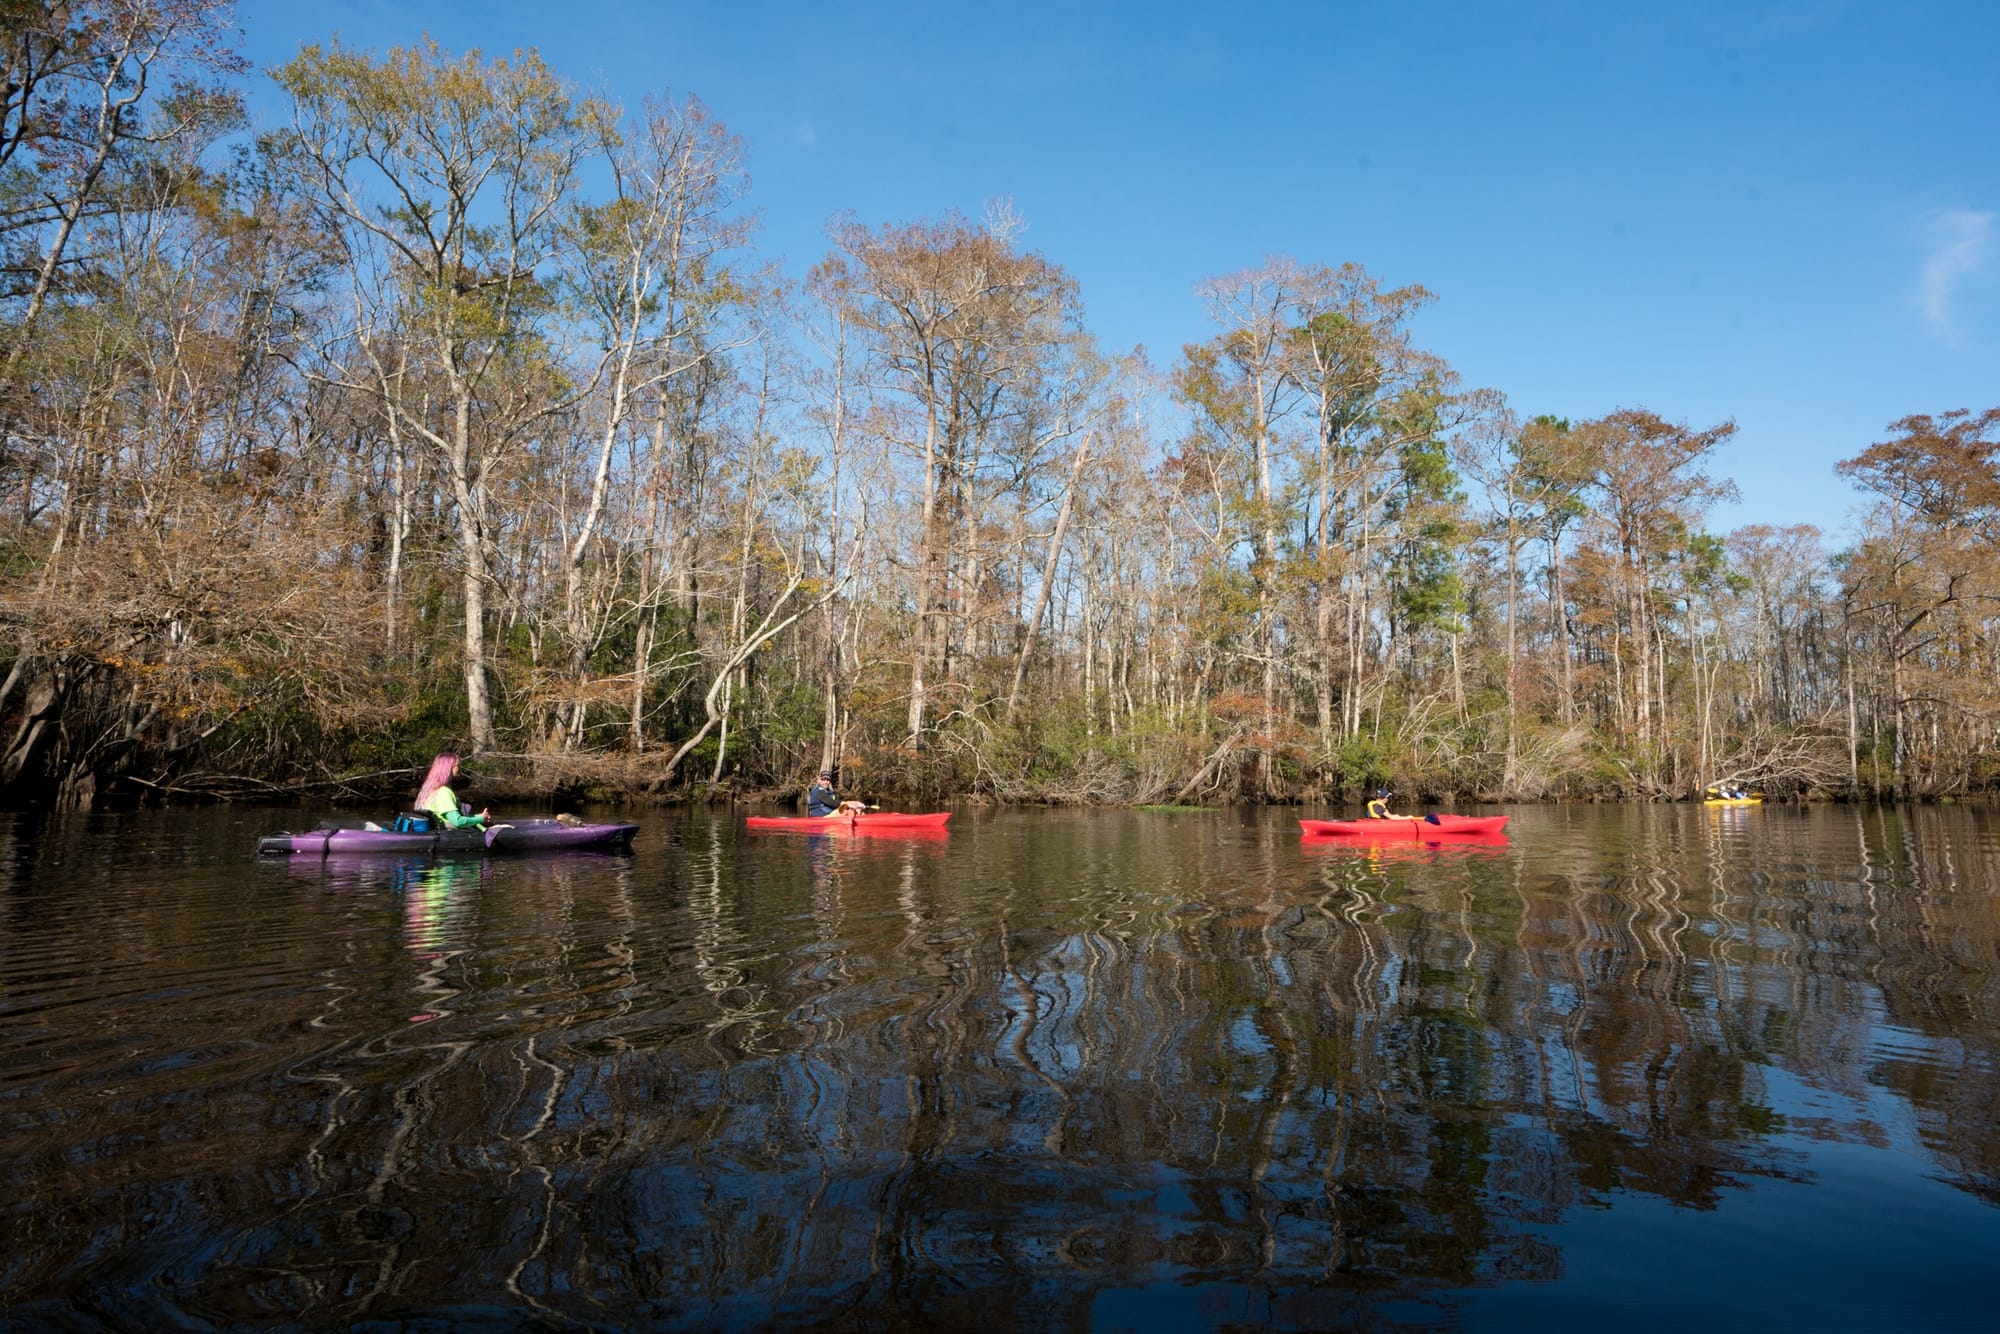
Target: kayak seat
412, 822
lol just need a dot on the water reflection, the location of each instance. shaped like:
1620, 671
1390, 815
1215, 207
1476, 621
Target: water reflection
1055, 1070
435, 902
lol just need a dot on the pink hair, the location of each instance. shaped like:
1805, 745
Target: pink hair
442, 769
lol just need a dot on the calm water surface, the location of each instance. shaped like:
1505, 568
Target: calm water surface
1666, 1066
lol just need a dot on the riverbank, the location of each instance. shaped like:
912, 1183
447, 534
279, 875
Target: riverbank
567, 781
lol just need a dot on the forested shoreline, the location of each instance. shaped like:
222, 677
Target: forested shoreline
457, 408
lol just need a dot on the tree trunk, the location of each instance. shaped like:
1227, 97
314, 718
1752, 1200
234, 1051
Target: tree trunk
1034, 620
472, 554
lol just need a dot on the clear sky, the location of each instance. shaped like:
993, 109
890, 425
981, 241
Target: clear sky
1781, 212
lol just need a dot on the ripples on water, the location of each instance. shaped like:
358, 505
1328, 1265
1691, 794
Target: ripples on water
1118, 1070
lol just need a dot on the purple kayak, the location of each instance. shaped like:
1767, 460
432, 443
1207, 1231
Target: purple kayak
539, 835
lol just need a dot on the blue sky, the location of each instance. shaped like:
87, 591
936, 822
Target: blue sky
1784, 213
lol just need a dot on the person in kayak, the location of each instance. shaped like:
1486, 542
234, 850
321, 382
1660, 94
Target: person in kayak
436, 799
822, 802
1378, 809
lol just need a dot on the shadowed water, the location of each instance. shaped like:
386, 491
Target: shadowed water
1665, 1065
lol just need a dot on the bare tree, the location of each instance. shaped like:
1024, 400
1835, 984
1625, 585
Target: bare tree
958, 326
450, 177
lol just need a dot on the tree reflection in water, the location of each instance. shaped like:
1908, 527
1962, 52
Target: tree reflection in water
1051, 1070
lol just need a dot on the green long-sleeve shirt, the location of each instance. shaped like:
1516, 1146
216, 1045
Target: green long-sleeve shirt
443, 806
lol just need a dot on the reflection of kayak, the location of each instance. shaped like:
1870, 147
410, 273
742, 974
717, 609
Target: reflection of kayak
511, 836
1400, 848
1732, 801
360, 870
865, 822
881, 836
1408, 827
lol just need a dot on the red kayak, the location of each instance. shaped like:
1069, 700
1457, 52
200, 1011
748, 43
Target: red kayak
1411, 827
869, 820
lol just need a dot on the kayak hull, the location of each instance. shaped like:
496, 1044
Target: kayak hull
511, 836
1732, 801
1413, 829
867, 822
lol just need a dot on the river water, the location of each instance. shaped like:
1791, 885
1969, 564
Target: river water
1665, 1066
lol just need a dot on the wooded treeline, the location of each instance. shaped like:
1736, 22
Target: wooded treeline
459, 408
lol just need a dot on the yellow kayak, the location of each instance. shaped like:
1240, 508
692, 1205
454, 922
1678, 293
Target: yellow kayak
1732, 801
